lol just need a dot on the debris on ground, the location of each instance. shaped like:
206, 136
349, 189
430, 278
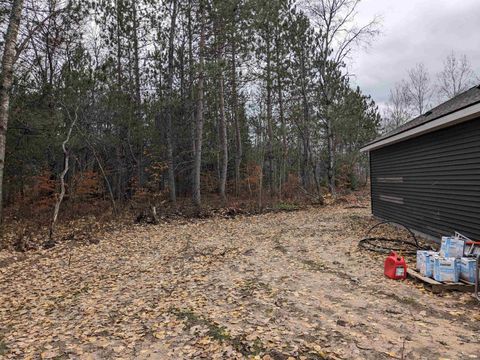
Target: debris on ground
282, 285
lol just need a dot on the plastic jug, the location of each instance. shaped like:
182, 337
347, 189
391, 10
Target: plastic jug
395, 267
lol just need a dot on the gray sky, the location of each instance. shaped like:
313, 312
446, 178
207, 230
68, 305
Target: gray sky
414, 31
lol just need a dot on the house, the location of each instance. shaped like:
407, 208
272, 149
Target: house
426, 173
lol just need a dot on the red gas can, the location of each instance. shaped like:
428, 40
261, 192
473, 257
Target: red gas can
395, 267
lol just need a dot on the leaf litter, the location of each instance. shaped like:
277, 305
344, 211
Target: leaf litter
274, 286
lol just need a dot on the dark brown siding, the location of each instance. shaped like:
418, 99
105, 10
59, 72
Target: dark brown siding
431, 183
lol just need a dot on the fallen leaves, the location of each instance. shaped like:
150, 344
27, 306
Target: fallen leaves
275, 286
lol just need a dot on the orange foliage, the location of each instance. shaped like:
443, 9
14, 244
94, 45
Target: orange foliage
155, 173
252, 178
209, 182
43, 194
88, 185
291, 186
150, 191
139, 194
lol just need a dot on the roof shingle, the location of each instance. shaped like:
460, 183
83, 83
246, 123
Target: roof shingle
461, 101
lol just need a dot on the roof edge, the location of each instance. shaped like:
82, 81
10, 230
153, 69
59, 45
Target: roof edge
461, 115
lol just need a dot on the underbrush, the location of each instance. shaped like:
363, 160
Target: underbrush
27, 228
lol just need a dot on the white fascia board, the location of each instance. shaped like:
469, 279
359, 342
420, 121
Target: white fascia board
457, 117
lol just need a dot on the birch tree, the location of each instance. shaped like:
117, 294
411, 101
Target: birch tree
456, 77
6, 80
66, 168
419, 89
398, 108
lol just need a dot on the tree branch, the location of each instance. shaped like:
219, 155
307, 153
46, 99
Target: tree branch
32, 32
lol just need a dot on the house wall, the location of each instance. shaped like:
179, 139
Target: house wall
430, 183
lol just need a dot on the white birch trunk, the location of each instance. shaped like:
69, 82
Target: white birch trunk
66, 158
6, 80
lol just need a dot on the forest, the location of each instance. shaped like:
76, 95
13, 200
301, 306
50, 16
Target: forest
164, 103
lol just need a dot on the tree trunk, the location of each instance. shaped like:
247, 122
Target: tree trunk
313, 165
138, 96
136, 59
170, 159
306, 123
191, 100
305, 160
236, 120
270, 169
199, 116
109, 186
119, 148
119, 45
283, 168
223, 141
331, 158
260, 187
62, 177
6, 80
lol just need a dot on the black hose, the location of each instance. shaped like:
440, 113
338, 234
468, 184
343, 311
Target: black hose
385, 245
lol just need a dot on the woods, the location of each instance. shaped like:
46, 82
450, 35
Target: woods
421, 91
179, 99
213, 179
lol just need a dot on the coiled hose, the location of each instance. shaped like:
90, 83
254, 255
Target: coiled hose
385, 245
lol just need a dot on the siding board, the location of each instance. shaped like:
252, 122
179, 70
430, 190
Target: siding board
440, 187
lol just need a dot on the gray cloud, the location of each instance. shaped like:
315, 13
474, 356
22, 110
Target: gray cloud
414, 31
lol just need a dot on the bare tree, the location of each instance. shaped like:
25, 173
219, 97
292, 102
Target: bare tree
6, 80
419, 89
339, 34
66, 158
456, 77
398, 111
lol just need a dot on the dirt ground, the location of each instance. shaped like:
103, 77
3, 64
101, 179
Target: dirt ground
288, 285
